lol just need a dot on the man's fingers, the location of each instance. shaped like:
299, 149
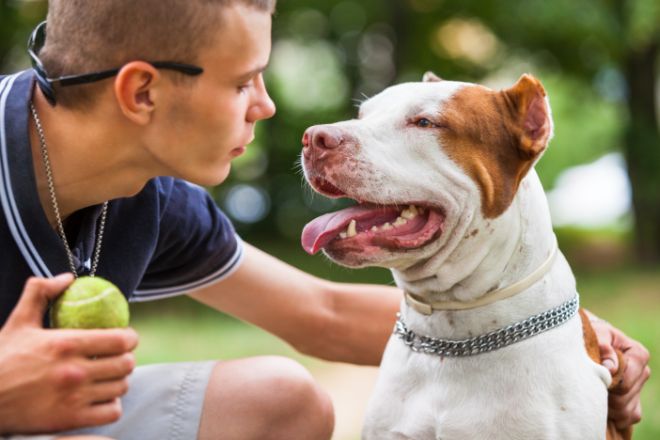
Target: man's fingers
621, 400
100, 413
634, 376
608, 356
624, 398
625, 407
101, 342
103, 392
627, 416
111, 367
33, 302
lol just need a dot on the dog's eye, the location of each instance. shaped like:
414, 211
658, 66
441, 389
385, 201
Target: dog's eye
424, 123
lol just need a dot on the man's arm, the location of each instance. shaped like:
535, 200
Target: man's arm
352, 322
52, 380
333, 321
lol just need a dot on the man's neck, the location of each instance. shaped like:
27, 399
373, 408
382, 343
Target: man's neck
89, 162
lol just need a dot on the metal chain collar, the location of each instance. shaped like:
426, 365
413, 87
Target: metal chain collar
490, 341
56, 208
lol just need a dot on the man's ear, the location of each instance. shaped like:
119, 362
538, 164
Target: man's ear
135, 92
431, 77
531, 113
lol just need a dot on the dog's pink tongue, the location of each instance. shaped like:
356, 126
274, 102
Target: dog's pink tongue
322, 230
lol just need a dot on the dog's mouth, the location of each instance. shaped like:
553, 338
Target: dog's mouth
326, 188
369, 227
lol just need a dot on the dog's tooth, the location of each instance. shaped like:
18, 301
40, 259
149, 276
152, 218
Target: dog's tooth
400, 221
352, 229
374, 228
410, 212
342, 235
386, 227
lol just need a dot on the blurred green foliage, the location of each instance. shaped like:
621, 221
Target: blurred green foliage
329, 55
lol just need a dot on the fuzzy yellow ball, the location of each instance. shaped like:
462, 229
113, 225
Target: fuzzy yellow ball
90, 302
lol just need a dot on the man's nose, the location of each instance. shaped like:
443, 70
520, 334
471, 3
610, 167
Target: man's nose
263, 107
267, 107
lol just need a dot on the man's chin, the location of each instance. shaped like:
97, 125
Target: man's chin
211, 177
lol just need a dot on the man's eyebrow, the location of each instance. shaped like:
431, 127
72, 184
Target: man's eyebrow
252, 73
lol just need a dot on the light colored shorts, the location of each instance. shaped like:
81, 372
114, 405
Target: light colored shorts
164, 402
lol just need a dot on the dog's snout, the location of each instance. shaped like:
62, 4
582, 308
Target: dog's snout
323, 137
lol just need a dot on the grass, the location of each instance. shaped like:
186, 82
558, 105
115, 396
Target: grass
179, 329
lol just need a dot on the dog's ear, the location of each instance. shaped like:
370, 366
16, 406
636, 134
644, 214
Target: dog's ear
527, 99
431, 77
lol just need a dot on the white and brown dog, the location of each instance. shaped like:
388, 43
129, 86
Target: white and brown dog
489, 342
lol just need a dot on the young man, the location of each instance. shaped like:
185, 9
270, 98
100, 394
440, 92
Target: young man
181, 93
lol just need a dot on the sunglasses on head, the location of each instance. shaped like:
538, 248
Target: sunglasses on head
36, 43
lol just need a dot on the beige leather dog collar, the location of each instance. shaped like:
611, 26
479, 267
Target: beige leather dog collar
496, 295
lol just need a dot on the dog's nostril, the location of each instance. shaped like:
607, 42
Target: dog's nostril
326, 139
305, 139
319, 140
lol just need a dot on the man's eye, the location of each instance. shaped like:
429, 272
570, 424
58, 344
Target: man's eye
424, 123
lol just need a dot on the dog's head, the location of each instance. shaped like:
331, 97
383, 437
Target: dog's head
422, 160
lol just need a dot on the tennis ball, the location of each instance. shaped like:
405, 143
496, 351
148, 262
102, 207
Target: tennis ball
90, 302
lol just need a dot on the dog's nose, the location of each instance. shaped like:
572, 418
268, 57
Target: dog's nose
322, 137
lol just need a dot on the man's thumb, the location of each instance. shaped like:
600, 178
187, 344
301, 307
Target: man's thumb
609, 358
35, 297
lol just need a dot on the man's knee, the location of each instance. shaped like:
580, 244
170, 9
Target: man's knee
277, 395
294, 400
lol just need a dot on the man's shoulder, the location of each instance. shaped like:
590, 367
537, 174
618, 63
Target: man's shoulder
22, 80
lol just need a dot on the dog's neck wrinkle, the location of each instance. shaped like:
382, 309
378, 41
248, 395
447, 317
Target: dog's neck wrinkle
516, 246
470, 270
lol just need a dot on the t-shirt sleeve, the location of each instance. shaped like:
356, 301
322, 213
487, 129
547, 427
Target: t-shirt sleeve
197, 244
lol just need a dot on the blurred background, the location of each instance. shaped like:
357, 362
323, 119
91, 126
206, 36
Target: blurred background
598, 60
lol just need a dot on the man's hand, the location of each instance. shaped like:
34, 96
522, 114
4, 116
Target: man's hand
625, 407
53, 380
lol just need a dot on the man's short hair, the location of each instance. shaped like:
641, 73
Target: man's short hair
85, 36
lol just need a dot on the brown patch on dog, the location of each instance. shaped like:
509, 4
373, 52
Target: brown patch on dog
591, 345
496, 137
590, 339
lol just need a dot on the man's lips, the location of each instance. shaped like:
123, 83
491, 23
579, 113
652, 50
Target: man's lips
242, 149
238, 151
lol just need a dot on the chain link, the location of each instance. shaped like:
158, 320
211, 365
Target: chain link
56, 208
494, 340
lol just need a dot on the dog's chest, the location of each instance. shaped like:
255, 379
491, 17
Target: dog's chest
522, 391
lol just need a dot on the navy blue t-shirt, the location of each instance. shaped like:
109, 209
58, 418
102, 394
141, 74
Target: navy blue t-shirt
168, 239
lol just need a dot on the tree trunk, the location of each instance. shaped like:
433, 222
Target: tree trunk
642, 150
